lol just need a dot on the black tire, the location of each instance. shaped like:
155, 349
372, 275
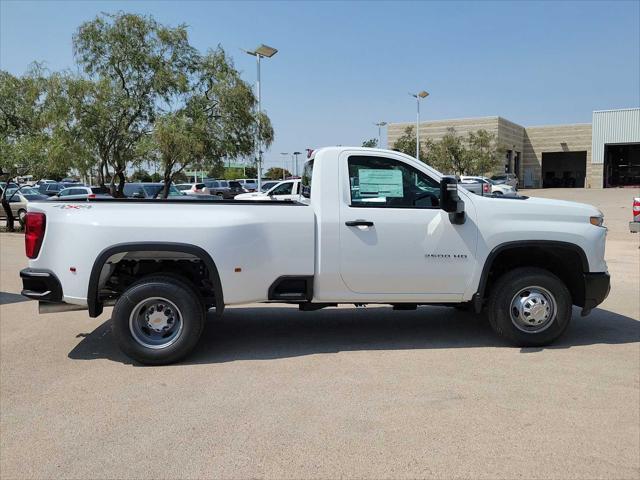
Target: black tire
21, 216
499, 308
190, 313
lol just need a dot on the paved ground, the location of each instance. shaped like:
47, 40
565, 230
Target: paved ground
336, 393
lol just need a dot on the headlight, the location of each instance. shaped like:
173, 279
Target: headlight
597, 220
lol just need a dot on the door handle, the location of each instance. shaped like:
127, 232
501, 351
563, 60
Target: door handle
359, 223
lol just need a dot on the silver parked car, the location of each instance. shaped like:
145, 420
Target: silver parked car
18, 199
506, 178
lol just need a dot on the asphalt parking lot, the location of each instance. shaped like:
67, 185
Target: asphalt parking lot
358, 393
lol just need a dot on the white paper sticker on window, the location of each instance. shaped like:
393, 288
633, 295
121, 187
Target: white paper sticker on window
380, 183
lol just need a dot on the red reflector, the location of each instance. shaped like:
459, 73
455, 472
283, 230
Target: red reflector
34, 233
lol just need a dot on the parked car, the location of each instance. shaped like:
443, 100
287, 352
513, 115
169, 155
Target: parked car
268, 185
50, 189
18, 199
634, 225
506, 178
4, 185
479, 188
490, 186
44, 180
149, 190
407, 236
219, 187
235, 188
193, 188
81, 193
249, 184
285, 190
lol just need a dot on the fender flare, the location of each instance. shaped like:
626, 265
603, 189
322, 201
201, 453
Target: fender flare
94, 305
478, 297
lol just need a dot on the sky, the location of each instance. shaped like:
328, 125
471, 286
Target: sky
342, 66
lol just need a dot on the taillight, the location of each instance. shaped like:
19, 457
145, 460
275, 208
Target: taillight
485, 187
35, 223
91, 195
636, 207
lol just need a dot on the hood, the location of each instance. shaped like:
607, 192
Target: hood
245, 196
534, 207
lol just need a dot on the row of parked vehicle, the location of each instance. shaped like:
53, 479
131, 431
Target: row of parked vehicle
210, 189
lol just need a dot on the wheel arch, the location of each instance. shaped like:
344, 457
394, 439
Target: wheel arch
95, 306
572, 276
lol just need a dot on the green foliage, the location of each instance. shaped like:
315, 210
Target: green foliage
141, 175
372, 143
477, 154
275, 173
407, 143
178, 141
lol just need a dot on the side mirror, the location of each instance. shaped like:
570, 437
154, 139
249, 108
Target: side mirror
450, 201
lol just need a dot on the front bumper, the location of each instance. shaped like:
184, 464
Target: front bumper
596, 289
41, 284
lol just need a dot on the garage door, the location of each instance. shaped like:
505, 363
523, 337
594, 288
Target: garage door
564, 169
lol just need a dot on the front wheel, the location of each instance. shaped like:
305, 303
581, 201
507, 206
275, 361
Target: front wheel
530, 307
158, 320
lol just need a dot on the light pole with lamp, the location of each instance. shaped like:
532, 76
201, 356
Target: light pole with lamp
380, 125
418, 96
295, 154
266, 52
284, 156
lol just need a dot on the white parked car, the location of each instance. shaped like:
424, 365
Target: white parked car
493, 187
249, 184
81, 193
193, 188
285, 190
375, 226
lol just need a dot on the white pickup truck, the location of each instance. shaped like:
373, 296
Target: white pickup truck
371, 227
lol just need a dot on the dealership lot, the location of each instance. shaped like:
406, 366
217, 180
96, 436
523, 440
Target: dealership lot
273, 392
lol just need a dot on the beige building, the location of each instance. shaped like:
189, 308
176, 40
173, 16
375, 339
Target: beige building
556, 155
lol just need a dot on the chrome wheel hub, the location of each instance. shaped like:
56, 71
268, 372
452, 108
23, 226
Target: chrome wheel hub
155, 323
533, 309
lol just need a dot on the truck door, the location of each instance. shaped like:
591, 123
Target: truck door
394, 238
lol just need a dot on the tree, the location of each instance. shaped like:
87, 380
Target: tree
141, 175
142, 65
407, 143
275, 173
371, 143
25, 129
450, 154
483, 151
178, 141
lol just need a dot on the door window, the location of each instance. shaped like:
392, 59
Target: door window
383, 182
282, 189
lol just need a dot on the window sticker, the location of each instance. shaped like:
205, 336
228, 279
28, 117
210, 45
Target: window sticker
380, 183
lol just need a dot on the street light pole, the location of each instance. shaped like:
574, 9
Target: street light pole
284, 159
267, 52
418, 96
296, 167
380, 125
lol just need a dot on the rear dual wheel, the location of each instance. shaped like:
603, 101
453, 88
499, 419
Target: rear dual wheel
158, 320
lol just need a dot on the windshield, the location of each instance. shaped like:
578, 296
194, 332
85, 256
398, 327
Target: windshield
154, 191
